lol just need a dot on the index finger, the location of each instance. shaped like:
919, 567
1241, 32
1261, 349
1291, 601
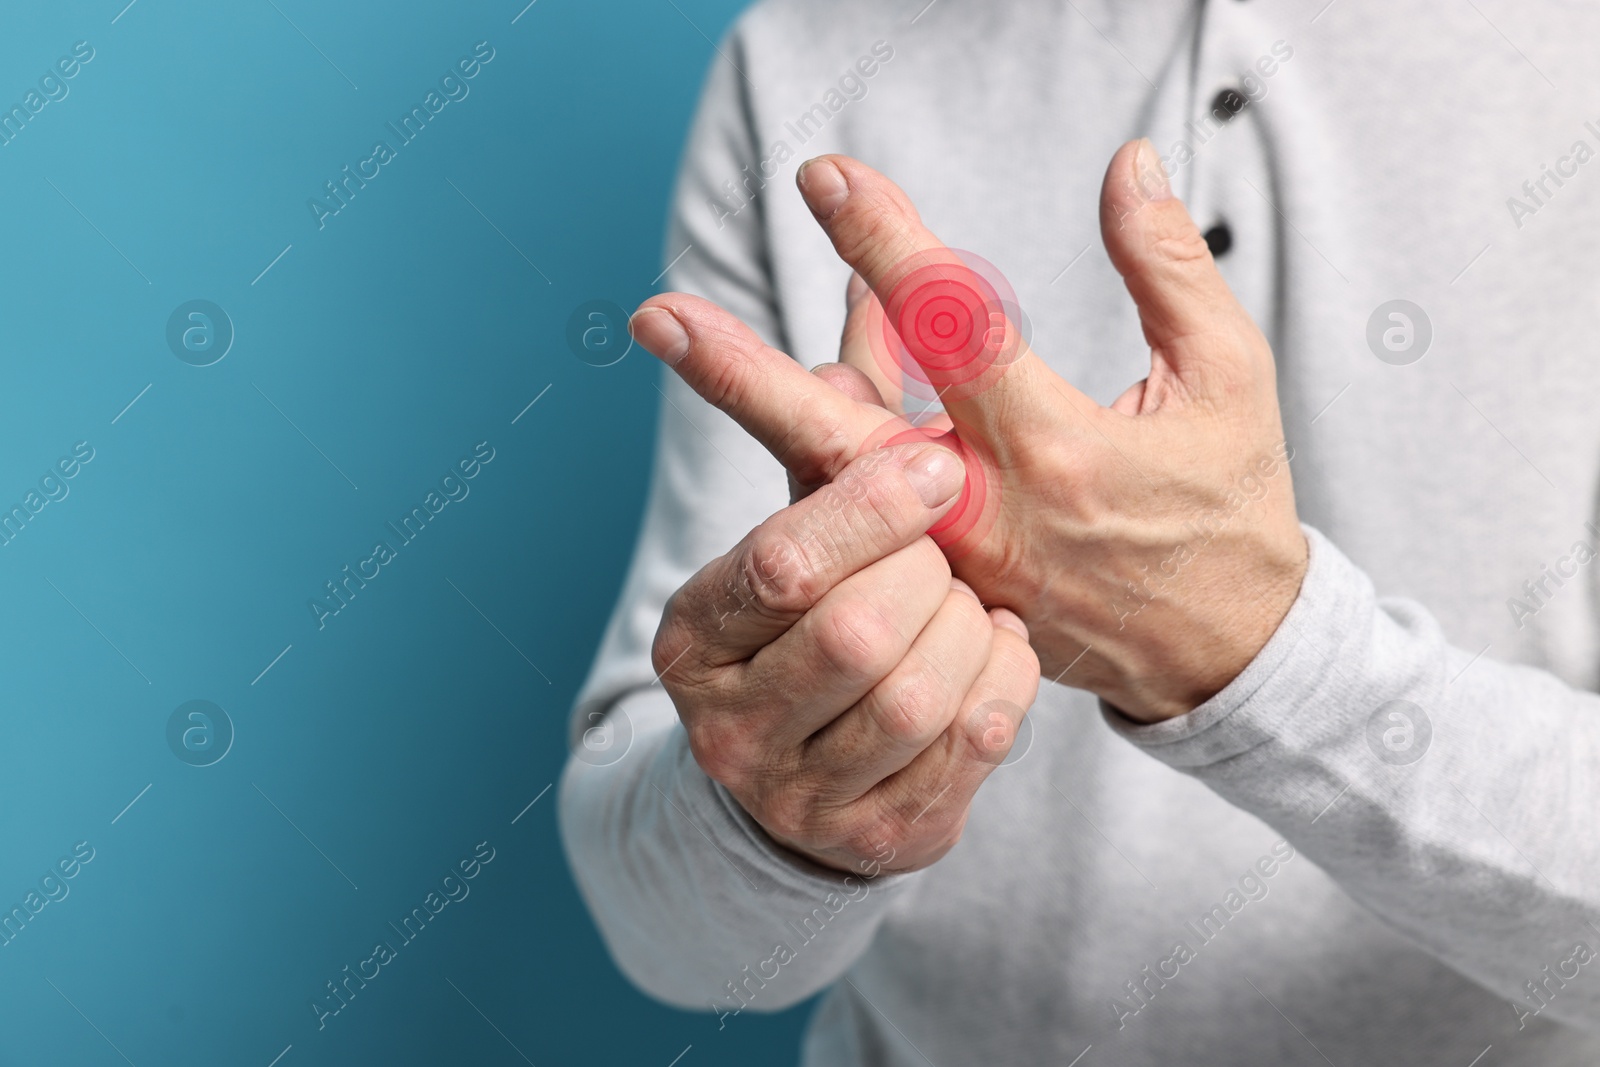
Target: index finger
813, 429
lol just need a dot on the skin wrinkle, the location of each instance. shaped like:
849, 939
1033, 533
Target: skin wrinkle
937, 668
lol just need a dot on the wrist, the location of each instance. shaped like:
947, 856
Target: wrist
839, 861
1221, 642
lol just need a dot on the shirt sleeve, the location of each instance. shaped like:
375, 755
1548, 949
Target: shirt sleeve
692, 898
1452, 795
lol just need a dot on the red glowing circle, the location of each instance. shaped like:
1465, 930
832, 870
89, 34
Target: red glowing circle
941, 315
948, 322
958, 530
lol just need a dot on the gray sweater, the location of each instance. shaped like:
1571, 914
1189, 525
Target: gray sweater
1378, 843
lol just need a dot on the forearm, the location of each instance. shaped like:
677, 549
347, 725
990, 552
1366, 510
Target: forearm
1475, 841
698, 907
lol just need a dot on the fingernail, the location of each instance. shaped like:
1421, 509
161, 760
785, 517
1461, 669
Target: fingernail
659, 330
936, 474
1148, 172
1010, 620
823, 186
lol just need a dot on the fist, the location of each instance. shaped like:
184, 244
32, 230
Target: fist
832, 675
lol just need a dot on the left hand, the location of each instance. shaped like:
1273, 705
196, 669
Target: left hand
1153, 545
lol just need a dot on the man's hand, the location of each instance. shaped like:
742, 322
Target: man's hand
830, 672
1151, 546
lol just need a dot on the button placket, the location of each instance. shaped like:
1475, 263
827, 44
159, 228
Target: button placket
1215, 113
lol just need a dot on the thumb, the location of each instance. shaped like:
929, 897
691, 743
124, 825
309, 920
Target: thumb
951, 321
1196, 328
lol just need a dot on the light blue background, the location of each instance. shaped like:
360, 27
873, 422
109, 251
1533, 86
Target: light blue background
396, 338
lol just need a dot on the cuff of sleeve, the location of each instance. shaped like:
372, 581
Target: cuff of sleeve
1294, 666
766, 865
794, 870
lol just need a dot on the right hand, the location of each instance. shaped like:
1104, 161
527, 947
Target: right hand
830, 672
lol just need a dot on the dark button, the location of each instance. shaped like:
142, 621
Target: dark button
1219, 239
1228, 103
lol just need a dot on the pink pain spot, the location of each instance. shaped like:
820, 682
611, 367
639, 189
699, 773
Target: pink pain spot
948, 324
974, 512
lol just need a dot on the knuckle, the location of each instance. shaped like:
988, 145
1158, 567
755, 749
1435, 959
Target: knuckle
775, 572
907, 712
670, 644
856, 641
815, 456
987, 736
719, 750
882, 829
866, 238
1015, 658
864, 510
1180, 242
786, 811
726, 382
956, 832
662, 643
881, 495
871, 228
975, 621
